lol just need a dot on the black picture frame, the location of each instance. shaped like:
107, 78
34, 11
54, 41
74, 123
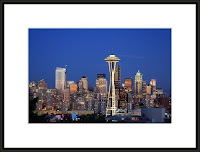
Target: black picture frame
3, 2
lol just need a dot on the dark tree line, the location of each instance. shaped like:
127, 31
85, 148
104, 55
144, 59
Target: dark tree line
33, 117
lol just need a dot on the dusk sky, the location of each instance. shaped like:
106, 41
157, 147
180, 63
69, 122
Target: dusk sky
84, 51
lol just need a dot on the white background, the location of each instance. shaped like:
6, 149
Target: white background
180, 133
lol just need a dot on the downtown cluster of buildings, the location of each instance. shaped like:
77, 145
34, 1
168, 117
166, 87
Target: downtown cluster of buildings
77, 97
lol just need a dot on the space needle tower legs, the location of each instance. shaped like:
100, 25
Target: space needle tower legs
112, 60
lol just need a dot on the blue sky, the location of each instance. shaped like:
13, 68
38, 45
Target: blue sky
84, 51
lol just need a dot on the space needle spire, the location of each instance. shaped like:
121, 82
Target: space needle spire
111, 108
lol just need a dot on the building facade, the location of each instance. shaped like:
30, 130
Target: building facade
138, 85
117, 79
60, 82
101, 86
73, 88
144, 89
148, 89
84, 79
128, 84
153, 87
42, 91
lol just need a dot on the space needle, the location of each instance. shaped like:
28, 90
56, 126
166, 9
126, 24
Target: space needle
111, 108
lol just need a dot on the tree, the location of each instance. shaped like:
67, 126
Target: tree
33, 117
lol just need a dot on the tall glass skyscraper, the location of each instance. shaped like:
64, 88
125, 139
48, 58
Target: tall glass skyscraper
117, 79
101, 85
128, 83
153, 86
60, 82
85, 83
138, 85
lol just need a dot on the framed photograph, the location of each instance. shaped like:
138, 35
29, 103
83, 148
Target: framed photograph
95, 75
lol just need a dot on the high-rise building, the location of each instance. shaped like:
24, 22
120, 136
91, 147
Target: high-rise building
144, 89
32, 90
73, 88
101, 86
69, 83
123, 99
148, 89
153, 87
49, 105
80, 87
138, 85
85, 83
117, 82
117, 77
128, 84
66, 99
60, 79
159, 91
42, 86
111, 103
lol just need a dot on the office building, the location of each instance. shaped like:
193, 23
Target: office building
138, 85
70, 82
67, 98
32, 90
80, 87
148, 90
84, 79
49, 105
42, 86
73, 88
159, 91
144, 89
153, 87
60, 82
101, 86
123, 99
128, 84
117, 79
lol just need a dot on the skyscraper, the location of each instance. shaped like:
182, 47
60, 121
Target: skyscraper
144, 89
138, 85
153, 87
128, 84
85, 83
148, 89
69, 83
67, 98
73, 88
49, 105
101, 85
32, 90
117, 77
80, 87
111, 107
117, 82
60, 82
42, 86
159, 91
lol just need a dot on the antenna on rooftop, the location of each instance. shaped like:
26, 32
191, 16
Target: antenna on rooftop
112, 50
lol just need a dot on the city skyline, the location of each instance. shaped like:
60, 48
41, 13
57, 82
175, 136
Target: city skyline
47, 57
